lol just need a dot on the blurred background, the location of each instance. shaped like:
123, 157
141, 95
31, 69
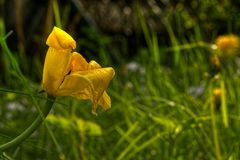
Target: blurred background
174, 96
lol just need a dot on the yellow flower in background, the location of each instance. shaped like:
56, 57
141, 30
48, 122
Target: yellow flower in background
215, 61
228, 45
68, 73
217, 93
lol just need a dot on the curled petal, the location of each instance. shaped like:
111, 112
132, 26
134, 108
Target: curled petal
90, 84
105, 101
93, 65
100, 79
78, 86
75, 84
56, 66
59, 39
78, 63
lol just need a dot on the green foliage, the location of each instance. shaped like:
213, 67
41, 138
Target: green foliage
80, 125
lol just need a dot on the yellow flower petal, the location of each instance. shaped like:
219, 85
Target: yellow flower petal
89, 84
105, 101
56, 66
59, 39
57, 61
100, 79
78, 63
75, 84
93, 65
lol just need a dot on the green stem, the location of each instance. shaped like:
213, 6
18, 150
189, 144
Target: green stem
215, 130
27, 132
57, 14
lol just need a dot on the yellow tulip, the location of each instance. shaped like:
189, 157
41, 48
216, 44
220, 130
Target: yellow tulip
68, 73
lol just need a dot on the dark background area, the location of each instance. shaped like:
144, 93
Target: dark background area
32, 21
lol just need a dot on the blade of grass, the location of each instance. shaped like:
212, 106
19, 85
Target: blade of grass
214, 128
131, 145
125, 136
144, 27
187, 46
146, 144
156, 54
203, 140
224, 104
54, 140
174, 41
57, 14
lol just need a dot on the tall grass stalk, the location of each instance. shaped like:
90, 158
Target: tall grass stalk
174, 41
224, 104
214, 127
57, 14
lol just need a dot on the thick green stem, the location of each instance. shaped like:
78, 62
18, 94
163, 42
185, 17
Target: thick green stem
28, 131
